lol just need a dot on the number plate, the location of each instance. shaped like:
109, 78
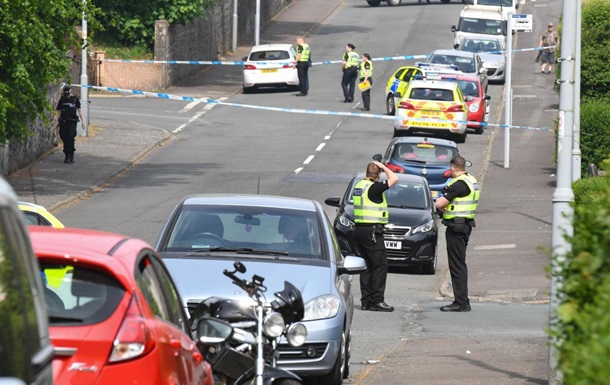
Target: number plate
394, 245
269, 70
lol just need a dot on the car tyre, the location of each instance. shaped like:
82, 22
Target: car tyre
393, 3
348, 354
445, 1
389, 105
479, 130
286, 381
374, 3
335, 376
461, 138
430, 268
247, 90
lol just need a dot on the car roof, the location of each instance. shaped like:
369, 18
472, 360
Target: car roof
452, 52
419, 139
251, 200
438, 84
460, 77
401, 177
482, 12
263, 47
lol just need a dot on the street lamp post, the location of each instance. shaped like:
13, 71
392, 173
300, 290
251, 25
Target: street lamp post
257, 23
84, 80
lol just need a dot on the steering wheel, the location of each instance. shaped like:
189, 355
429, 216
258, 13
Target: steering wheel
209, 239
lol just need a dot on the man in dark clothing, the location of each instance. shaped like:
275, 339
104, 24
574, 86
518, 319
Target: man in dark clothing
350, 72
303, 64
69, 111
458, 205
370, 216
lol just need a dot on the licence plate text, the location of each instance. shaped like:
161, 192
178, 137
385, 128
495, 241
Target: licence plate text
268, 70
394, 245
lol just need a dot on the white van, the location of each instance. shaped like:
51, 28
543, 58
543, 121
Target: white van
477, 20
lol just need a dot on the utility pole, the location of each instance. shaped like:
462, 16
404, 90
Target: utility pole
576, 153
563, 196
234, 37
257, 23
84, 79
508, 96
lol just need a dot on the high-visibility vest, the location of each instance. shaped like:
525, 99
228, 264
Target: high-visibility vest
352, 59
363, 70
464, 207
305, 53
365, 210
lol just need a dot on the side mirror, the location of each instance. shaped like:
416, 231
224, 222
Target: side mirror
487, 97
397, 94
377, 157
245, 58
239, 267
352, 265
453, 29
212, 331
468, 163
333, 201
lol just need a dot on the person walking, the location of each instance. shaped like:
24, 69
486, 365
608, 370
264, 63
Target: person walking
350, 72
370, 216
548, 39
366, 75
69, 109
458, 204
303, 64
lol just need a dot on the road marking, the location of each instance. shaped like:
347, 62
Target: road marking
309, 159
496, 247
189, 106
298, 170
205, 109
320, 147
526, 96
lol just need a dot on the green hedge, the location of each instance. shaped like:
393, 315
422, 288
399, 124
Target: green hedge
594, 131
595, 51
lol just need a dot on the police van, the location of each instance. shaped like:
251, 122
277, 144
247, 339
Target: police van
478, 20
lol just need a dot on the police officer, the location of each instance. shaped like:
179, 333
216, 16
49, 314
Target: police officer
69, 111
303, 64
366, 74
458, 205
350, 72
370, 216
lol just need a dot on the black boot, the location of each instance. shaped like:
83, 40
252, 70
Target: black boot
72, 157
67, 160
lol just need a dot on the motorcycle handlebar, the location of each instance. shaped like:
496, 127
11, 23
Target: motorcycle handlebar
251, 287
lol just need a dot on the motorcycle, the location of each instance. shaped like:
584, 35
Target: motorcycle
240, 340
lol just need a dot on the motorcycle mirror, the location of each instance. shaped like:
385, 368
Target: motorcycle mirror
239, 267
377, 157
213, 331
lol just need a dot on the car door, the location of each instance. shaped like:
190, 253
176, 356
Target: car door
178, 350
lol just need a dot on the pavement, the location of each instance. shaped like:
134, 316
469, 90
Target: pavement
516, 200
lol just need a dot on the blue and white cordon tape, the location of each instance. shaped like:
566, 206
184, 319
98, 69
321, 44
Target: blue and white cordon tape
295, 110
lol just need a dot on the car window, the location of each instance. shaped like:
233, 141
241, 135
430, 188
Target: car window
35, 219
408, 195
469, 87
431, 94
269, 55
503, 3
79, 294
294, 232
425, 151
152, 289
398, 74
174, 304
483, 26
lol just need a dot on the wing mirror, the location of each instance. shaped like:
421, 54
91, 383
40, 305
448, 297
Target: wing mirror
212, 331
453, 29
334, 201
245, 58
377, 157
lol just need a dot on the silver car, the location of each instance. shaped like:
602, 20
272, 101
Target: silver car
491, 51
469, 63
278, 238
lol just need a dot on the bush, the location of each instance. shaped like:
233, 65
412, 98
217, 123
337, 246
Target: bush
595, 55
594, 131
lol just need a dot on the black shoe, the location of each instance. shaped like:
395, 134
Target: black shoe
365, 307
346, 101
456, 307
302, 94
66, 160
381, 306
350, 101
365, 109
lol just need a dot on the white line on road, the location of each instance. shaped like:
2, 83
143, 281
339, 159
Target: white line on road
205, 109
320, 147
309, 159
189, 106
495, 247
298, 170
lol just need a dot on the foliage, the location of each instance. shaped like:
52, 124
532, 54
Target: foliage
584, 314
594, 131
595, 48
116, 50
34, 38
133, 22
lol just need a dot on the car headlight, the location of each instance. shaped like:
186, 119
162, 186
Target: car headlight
474, 107
296, 334
274, 325
324, 306
425, 227
345, 221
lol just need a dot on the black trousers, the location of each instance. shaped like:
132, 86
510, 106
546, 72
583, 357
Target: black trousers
67, 133
302, 72
366, 95
373, 280
457, 242
348, 83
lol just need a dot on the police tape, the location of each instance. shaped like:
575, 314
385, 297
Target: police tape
301, 110
241, 63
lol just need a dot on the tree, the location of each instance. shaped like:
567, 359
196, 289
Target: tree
595, 49
34, 38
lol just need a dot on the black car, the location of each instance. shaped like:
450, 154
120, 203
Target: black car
411, 236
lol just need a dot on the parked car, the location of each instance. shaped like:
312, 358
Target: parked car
470, 63
490, 49
434, 107
115, 315
423, 156
26, 352
279, 238
476, 101
38, 215
270, 65
411, 235
477, 20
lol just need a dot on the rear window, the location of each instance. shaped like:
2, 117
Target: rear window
269, 55
78, 295
424, 152
402, 195
35, 219
431, 94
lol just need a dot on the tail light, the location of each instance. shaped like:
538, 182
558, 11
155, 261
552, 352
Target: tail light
249, 67
456, 108
406, 106
134, 338
447, 174
396, 168
290, 65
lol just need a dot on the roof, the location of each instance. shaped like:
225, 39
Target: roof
419, 139
251, 200
264, 47
88, 245
461, 77
482, 12
452, 52
437, 84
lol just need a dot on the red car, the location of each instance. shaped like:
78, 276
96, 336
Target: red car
115, 316
476, 100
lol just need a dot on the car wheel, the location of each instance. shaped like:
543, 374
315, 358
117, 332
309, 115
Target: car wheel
348, 355
374, 3
445, 1
393, 3
335, 376
479, 130
286, 381
389, 105
396, 133
247, 90
461, 138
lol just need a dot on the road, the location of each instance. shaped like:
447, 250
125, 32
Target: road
229, 149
